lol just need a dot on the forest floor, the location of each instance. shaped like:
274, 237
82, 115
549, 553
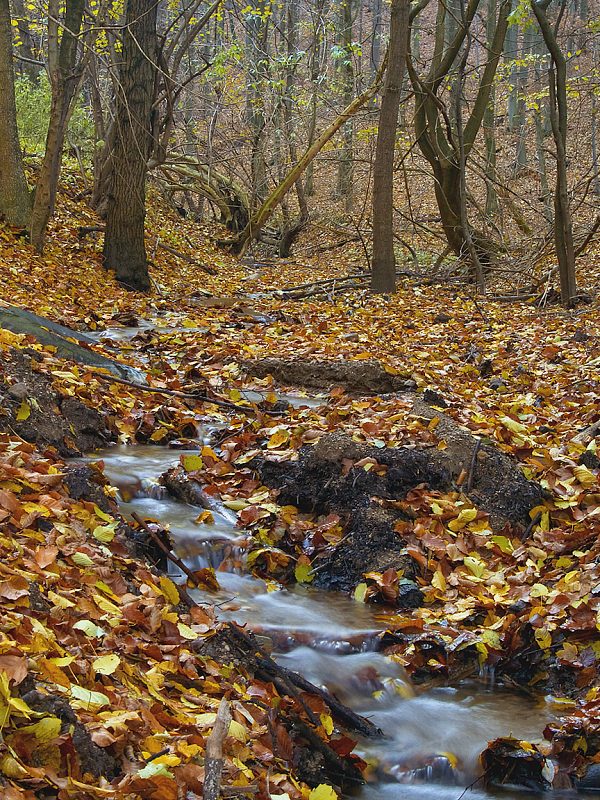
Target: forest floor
449, 471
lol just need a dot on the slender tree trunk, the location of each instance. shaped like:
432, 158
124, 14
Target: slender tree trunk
15, 200
489, 123
124, 245
65, 79
563, 224
383, 269
30, 65
346, 163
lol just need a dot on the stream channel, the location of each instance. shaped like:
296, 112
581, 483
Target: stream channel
330, 639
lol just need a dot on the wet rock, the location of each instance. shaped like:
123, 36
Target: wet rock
506, 762
590, 782
590, 460
179, 486
356, 377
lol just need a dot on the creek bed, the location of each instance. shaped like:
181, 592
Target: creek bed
433, 737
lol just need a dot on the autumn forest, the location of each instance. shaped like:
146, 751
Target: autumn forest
299, 399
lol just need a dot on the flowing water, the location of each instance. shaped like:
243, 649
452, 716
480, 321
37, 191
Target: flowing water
433, 738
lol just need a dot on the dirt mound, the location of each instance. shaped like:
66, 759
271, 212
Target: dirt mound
330, 478
30, 407
356, 377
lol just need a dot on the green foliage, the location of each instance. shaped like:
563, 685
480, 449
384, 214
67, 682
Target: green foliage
33, 113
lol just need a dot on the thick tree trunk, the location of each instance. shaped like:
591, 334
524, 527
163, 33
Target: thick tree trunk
15, 200
383, 268
65, 78
124, 245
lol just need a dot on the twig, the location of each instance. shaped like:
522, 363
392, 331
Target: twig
587, 433
535, 521
473, 466
202, 398
213, 763
166, 550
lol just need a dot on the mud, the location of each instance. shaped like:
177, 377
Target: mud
64, 423
93, 759
355, 377
324, 480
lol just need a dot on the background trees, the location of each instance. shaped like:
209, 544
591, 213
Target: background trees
268, 118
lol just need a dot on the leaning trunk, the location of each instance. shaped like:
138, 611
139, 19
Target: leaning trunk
15, 205
124, 245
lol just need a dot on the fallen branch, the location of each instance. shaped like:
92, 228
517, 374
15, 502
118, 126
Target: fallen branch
213, 762
166, 550
587, 433
202, 398
345, 716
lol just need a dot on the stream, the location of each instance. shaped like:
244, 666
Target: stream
330, 639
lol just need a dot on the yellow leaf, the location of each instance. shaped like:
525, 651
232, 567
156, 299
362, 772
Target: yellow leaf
186, 631
475, 566
206, 517
539, 590
303, 571
237, 731
105, 533
192, 463
106, 665
465, 516
169, 590
439, 581
280, 437
84, 698
235, 505
360, 593
45, 730
323, 792
82, 560
585, 476
327, 723
543, 638
24, 411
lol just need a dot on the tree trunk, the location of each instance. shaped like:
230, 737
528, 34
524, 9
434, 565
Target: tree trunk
15, 200
563, 225
345, 181
124, 245
30, 65
383, 270
65, 78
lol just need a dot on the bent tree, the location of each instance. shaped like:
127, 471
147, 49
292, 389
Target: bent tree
15, 203
435, 133
124, 245
383, 267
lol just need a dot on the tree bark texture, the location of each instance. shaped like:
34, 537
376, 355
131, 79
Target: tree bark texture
65, 78
383, 268
124, 245
15, 201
